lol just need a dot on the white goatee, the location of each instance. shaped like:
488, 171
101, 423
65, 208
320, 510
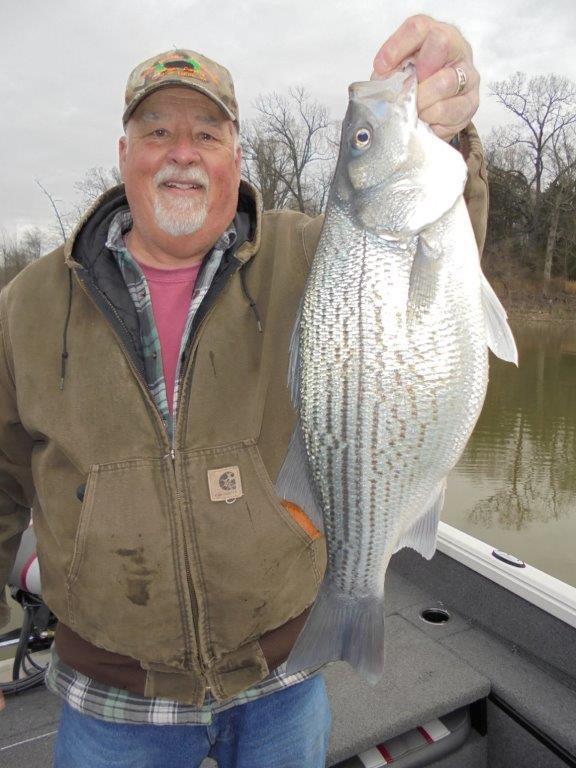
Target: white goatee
181, 216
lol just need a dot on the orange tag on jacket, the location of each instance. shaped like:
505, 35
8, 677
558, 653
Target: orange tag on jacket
301, 518
225, 484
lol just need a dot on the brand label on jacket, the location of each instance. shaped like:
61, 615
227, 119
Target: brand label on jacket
224, 483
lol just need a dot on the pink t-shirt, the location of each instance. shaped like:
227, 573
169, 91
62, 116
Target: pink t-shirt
171, 292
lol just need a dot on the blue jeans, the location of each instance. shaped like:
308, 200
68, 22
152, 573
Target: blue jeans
285, 729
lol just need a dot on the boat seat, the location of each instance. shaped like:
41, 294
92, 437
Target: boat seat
418, 747
422, 682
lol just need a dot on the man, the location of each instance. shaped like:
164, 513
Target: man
143, 403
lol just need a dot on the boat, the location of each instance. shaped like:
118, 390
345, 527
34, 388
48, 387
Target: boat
480, 672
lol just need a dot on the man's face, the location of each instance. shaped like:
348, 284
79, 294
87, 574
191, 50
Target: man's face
181, 165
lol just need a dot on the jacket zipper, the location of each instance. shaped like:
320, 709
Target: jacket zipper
185, 377
172, 454
191, 590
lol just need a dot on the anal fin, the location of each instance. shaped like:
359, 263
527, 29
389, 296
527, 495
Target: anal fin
421, 534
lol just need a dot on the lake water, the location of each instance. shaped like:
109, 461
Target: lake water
515, 485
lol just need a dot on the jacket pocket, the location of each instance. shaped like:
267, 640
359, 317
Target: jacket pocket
121, 577
300, 517
290, 512
256, 562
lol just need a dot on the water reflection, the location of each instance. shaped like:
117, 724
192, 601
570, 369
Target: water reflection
518, 473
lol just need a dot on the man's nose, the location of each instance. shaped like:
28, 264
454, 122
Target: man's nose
184, 151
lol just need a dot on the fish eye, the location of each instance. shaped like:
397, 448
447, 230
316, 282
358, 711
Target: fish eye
361, 138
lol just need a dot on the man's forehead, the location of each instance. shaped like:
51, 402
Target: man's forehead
167, 101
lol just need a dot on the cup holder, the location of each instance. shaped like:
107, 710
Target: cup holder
435, 616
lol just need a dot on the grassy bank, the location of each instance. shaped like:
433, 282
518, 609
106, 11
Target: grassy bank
534, 301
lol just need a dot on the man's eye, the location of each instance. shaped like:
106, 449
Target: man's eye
207, 137
160, 132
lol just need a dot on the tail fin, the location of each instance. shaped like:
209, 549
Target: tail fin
341, 627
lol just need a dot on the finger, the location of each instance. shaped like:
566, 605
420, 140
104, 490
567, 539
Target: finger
450, 112
447, 132
444, 85
407, 39
443, 45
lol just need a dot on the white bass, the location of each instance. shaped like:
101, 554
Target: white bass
389, 363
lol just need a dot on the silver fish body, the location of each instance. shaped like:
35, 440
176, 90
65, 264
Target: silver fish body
389, 363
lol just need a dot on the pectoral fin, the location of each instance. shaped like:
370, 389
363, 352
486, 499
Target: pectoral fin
424, 277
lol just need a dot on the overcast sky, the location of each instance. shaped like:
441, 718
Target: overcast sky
65, 65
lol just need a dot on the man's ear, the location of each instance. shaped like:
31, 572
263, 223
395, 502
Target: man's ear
122, 149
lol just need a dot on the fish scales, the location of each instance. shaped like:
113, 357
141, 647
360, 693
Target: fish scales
389, 363
367, 318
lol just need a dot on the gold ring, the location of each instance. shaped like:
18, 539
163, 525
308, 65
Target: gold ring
462, 80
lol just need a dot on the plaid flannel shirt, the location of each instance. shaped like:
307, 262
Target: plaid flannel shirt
82, 693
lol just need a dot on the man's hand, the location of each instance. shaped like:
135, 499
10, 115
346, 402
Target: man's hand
2, 702
437, 49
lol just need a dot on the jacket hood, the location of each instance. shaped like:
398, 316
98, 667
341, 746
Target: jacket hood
86, 252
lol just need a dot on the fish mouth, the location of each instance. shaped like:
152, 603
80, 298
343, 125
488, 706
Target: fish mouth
378, 92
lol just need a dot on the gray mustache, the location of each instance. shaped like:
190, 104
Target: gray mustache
190, 176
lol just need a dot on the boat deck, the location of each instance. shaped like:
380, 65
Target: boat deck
511, 663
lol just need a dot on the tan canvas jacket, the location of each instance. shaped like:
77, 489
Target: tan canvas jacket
139, 554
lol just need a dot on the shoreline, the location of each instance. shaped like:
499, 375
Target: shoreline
554, 315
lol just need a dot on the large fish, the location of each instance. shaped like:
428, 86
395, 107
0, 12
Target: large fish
389, 363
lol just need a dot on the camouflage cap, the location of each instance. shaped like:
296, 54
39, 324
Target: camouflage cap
181, 67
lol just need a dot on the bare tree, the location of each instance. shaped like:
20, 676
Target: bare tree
561, 193
17, 252
508, 171
289, 152
34, 242
546, 109
60, 218
96, 181
265, 165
